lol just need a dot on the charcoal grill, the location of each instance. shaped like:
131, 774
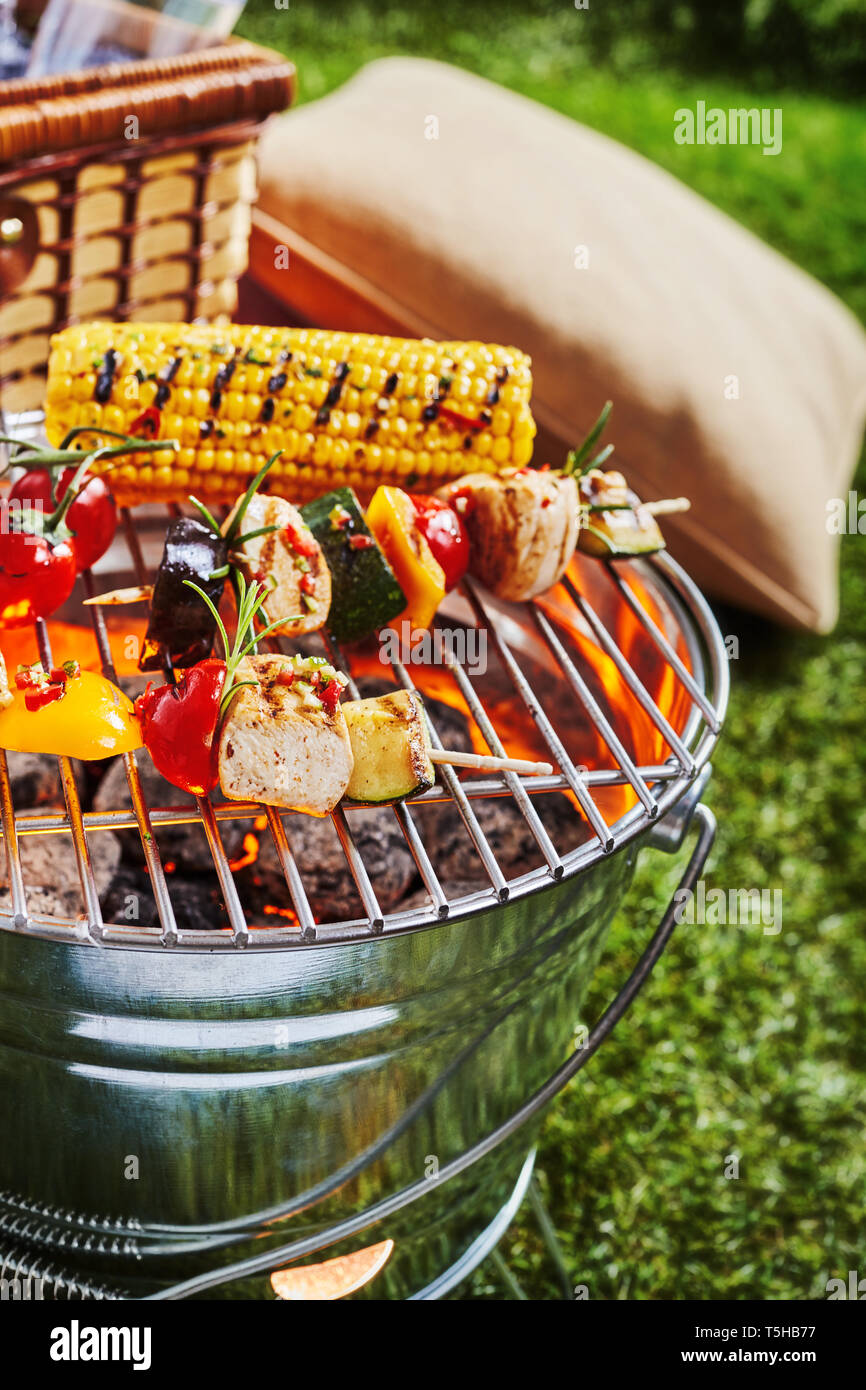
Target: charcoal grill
187, 1111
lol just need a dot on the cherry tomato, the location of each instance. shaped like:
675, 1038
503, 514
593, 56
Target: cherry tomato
92, 517
178, 724
36, 577
445, 534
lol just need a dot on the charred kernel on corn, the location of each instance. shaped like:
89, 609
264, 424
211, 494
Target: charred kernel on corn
343, 408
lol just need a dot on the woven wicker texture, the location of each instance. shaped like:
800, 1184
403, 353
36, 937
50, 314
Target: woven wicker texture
141, 178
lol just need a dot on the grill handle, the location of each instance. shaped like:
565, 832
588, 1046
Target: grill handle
701, 817
669, 833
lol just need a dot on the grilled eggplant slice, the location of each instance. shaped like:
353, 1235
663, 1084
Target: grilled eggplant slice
181, 629
390, 747
289, 558
366, 592
615, 523
282, 744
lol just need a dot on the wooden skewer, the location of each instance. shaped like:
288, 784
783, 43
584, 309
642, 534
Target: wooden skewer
140, 593
667, 506
488, 763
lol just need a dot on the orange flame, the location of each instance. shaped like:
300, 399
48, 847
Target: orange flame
249, 856
585, 745
272, 910
73, 642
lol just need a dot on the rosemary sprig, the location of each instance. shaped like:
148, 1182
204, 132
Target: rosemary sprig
576, 462
601, 457
250, 599
248, 497
240, 541
206, 515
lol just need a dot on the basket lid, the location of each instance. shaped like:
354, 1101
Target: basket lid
215, 86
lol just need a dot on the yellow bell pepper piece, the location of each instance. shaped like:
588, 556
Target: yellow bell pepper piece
391, 517
92, 719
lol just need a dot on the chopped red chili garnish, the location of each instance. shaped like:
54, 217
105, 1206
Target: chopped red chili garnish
302, 543
42, 687
308, 584
328, 691
31, 677
361, 542
339, 518
70, 670
285, 677
462, 501
43, 695
464, 422
149, 419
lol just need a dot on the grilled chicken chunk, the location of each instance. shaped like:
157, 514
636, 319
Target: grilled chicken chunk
523, 526
5, 692
283, 743
289, 558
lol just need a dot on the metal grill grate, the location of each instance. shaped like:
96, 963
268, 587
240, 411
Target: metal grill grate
702, 680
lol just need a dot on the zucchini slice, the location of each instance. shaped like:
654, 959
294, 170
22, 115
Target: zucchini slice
614, 524
390, 745
365, 594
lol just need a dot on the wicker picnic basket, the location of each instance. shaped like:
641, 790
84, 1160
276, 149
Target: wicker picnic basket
125, 192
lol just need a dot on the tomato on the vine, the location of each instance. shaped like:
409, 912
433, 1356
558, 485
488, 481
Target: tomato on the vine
92, 516
37, 575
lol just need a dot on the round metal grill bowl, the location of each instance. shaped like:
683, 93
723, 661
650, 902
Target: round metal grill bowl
179, 1100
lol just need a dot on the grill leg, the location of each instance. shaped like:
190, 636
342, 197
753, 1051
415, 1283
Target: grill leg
549, 1236
552, 1245
511, 1281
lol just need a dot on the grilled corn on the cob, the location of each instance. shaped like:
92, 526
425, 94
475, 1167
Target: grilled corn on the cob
346, 409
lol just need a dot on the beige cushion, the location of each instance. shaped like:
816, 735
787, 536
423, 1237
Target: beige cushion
474, 234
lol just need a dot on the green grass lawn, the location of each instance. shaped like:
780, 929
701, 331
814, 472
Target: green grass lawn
742, 1043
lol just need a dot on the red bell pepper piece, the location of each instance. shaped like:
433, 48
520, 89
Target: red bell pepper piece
178, 724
